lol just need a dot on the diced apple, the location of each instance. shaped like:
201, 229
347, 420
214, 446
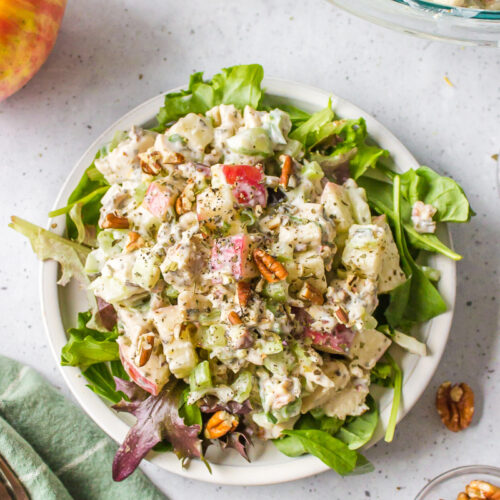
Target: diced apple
231, 255
166, 319
159, 199
151, 377
212, 204
246, 181
338, 341
337, 206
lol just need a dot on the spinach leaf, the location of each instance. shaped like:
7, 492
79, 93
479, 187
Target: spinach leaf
382, 374
358, 431
328, 449
396, 400
366, 157
439, 191
238, 85
86, 347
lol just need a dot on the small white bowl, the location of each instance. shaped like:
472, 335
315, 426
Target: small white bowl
61, 305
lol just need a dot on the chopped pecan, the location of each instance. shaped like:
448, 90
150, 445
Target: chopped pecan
173, 158
151, 162
220, 423
185, 200
244, 291
286, 170
114, 221
341, 315
308, 292
481, 489
234, 318
272, 270
135, 241
144, 349
455, 405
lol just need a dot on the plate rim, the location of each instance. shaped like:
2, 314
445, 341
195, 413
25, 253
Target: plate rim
265, 473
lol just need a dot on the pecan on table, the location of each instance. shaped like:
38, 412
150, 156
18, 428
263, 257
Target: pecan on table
455, 405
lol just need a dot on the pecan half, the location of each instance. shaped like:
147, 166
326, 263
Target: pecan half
144, 349
114, 221
185, 200
341, 315
244, 291
455, 405
308, 292
234, 318
272, 270
135, 241
481, 489
150, 162
286, 170
173, 158
220, 423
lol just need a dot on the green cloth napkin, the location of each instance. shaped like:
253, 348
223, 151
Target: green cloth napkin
53, 447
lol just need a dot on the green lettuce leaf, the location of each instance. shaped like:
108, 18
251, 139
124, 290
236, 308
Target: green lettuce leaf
100, 380
86, 346
48, 245
317, 128
238, 85
396, 400
382, 374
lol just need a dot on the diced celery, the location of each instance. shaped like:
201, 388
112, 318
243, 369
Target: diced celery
112, 241
251, 141
200, 377
209, 318
95, 261
247, 217
211, 337
289, 411
313, 171
276, 291
242, 386
140, 192
272, 344
171, 292
277, 364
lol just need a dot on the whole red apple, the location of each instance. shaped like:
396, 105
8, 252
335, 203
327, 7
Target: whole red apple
28, 31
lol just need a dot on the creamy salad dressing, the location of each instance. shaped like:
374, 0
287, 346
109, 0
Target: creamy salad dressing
201, 202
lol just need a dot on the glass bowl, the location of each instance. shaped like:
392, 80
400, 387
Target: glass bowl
448, 485
429, 20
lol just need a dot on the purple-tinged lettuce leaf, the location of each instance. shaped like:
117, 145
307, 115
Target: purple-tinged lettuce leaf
107, 314
157, 419
240, 441
211, 404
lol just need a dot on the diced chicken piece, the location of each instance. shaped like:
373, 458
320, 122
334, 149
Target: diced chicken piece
367, 348
193, 303
185, 261
421, 216
390, 274
232, 256
122, 163
251, 117
153, 375
133, 322
247, 183
350, 401
276, 392
337, 206
307, 266
167, 321
159, 199
339, 375
298, 238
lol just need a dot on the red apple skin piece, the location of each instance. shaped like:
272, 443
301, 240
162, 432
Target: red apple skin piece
247, 184
159, 199
28, 31
338, 341
231, 256
137, 376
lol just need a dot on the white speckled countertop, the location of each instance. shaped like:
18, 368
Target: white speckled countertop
112, 55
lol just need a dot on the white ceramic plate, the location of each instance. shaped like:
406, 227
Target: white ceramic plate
61, 305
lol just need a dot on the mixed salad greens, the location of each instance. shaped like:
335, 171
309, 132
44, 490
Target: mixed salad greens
247, 268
